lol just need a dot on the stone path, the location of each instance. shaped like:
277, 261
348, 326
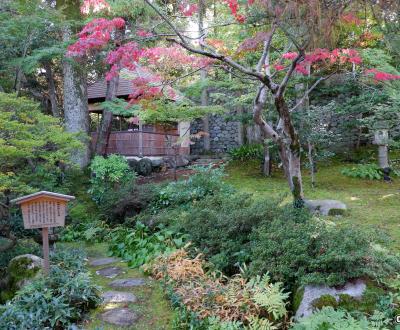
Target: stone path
116, 311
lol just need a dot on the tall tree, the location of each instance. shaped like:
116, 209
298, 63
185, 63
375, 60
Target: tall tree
76, 113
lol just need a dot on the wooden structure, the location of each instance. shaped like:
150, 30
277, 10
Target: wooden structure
44, 210
131, 137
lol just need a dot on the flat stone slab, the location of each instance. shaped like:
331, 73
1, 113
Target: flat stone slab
123, 317
102, 261
326, 206
127, 282
109, 272
118, 297
313, 292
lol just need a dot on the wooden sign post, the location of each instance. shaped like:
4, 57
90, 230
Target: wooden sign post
44, 210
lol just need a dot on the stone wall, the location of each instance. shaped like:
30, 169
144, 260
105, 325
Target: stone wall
224, 135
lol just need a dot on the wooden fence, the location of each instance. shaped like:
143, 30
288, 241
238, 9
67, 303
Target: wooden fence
139, 143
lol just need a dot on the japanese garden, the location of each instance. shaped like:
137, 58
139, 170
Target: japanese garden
200, 164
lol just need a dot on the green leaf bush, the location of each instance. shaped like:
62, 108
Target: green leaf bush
56, 301
139, 245
247, 151
298, 249
111, 179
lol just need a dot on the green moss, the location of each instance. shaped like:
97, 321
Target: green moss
366, 304
324, 301
19, 269
297, 298
366, 200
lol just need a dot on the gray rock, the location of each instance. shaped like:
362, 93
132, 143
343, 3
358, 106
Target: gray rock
23, 268
145, 167
119, 316
109, 272
118, 297
127, 282
157, 162
326, 206
313, 292
102, 261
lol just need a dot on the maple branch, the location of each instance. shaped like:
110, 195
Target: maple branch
264, 79
267, 45
259, 104
182, 42
283, 84
310, 90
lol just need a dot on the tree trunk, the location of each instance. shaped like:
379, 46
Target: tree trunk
104, 132
312, 163
203, 77
52, 89
76, 113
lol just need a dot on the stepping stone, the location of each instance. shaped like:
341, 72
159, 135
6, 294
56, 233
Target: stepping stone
109, 272
120, 316
102, 261
118, 297
127, 282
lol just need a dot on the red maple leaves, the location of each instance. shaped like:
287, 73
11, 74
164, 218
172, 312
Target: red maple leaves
95, 35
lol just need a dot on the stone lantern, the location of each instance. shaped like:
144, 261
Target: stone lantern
382, 140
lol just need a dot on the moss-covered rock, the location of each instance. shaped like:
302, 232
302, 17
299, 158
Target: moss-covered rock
324, 301
22, 268
20, 271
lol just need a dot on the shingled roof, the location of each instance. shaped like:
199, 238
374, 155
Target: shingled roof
98, 89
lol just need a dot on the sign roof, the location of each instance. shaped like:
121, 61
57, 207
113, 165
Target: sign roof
42, 194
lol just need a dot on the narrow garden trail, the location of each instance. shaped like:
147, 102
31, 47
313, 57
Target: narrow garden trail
131, 300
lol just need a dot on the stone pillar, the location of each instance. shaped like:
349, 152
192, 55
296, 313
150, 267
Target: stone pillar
382, 140
184, 136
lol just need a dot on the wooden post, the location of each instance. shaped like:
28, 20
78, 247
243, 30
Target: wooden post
140, 139
45, 241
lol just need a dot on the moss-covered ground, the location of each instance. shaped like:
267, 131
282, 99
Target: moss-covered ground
153, 308
372, 204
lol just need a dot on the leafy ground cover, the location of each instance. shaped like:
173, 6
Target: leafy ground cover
371, 203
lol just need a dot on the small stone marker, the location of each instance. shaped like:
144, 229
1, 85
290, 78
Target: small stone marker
44, 210
109, 272
118, 297
120, 316
127, 282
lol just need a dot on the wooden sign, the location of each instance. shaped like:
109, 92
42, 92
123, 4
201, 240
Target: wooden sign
44, 210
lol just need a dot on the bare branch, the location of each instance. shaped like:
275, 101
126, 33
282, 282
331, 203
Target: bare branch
267, 45
289, 73
309, 91
259, 105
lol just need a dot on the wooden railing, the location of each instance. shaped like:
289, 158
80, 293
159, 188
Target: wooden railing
138, 143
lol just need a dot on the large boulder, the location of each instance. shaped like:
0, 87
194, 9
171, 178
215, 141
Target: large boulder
326, 206
308, 295
22, 269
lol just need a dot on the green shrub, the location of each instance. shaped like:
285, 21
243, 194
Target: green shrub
221, 226
296, 249
34, 148
139, 245
247, 151
205, 181
92, 232
55, 301
328, 318
111, 179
